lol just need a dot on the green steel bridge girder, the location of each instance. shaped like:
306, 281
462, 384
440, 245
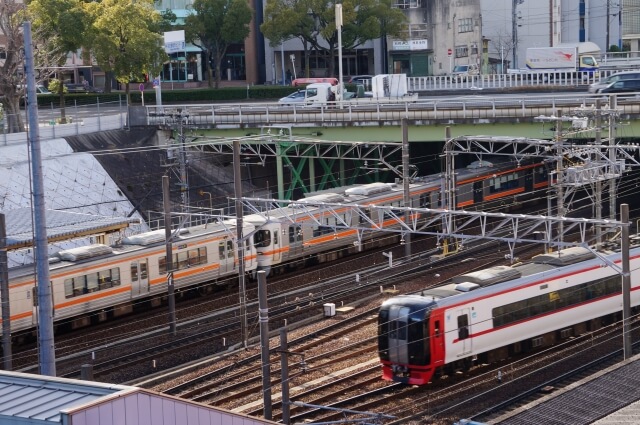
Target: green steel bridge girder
387, 133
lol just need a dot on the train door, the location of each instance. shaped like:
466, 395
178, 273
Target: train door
477, 192
464, 330
398, 334
528, 181
139, 278
34, 303
226, 254
277, 251
295, 241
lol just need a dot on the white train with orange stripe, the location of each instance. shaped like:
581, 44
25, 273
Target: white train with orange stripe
480, 185
93, 283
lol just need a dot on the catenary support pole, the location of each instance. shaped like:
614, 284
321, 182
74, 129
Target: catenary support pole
284, 369
626, 281
264, 343
169, 254
45, 303
237, 185
4, 297
405, 184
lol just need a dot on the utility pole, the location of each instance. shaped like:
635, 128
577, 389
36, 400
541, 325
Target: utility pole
4, 296
45, 304
169, 254
514, 31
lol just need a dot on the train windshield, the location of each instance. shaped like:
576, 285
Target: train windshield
403, 335
262, 238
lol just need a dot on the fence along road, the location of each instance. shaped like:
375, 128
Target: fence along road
471, 109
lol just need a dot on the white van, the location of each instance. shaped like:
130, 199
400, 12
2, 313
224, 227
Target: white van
40, 89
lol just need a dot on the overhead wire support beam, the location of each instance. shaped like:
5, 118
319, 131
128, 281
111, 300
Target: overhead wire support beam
470, 225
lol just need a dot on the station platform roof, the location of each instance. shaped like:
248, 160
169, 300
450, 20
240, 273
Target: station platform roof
61, 225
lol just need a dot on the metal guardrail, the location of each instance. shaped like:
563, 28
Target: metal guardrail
443, 109
80, 119
507, 81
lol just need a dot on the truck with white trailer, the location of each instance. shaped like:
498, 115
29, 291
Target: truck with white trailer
385, 87
576, 59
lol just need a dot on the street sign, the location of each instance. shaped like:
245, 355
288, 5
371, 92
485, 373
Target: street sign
141, 87
449, 52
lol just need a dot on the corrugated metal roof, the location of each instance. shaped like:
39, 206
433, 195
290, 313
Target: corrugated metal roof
42, 398
60, 225
609, 397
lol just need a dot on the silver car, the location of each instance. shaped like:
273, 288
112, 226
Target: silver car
613, 78
296, 97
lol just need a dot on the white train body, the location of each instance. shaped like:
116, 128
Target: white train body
473, 318
92, 283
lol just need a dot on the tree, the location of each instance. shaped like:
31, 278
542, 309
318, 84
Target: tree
297, 23
502, 43
62, 25
123, 39
214, 25
363, 20
11, 19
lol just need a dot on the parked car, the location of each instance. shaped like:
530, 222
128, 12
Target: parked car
618, 76
361, 79
464, 72
40, 89
296, 97
81, 88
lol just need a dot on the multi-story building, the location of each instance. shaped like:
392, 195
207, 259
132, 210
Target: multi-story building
515, 25
440, 34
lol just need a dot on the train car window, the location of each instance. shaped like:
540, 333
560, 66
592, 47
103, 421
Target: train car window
202, 255
262, 238
541, 174
362, 219
162, 267
424, 200
134, 269
398, 329
183, 260
221, 252
419, 350
92, 282
68, 289
552, 301
143, 270
505, 182
463, 326
230, 251
275, 238
383, 334
115, 277
194, 257
104, 279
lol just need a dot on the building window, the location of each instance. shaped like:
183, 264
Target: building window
462, 51
407, 4
465, 25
